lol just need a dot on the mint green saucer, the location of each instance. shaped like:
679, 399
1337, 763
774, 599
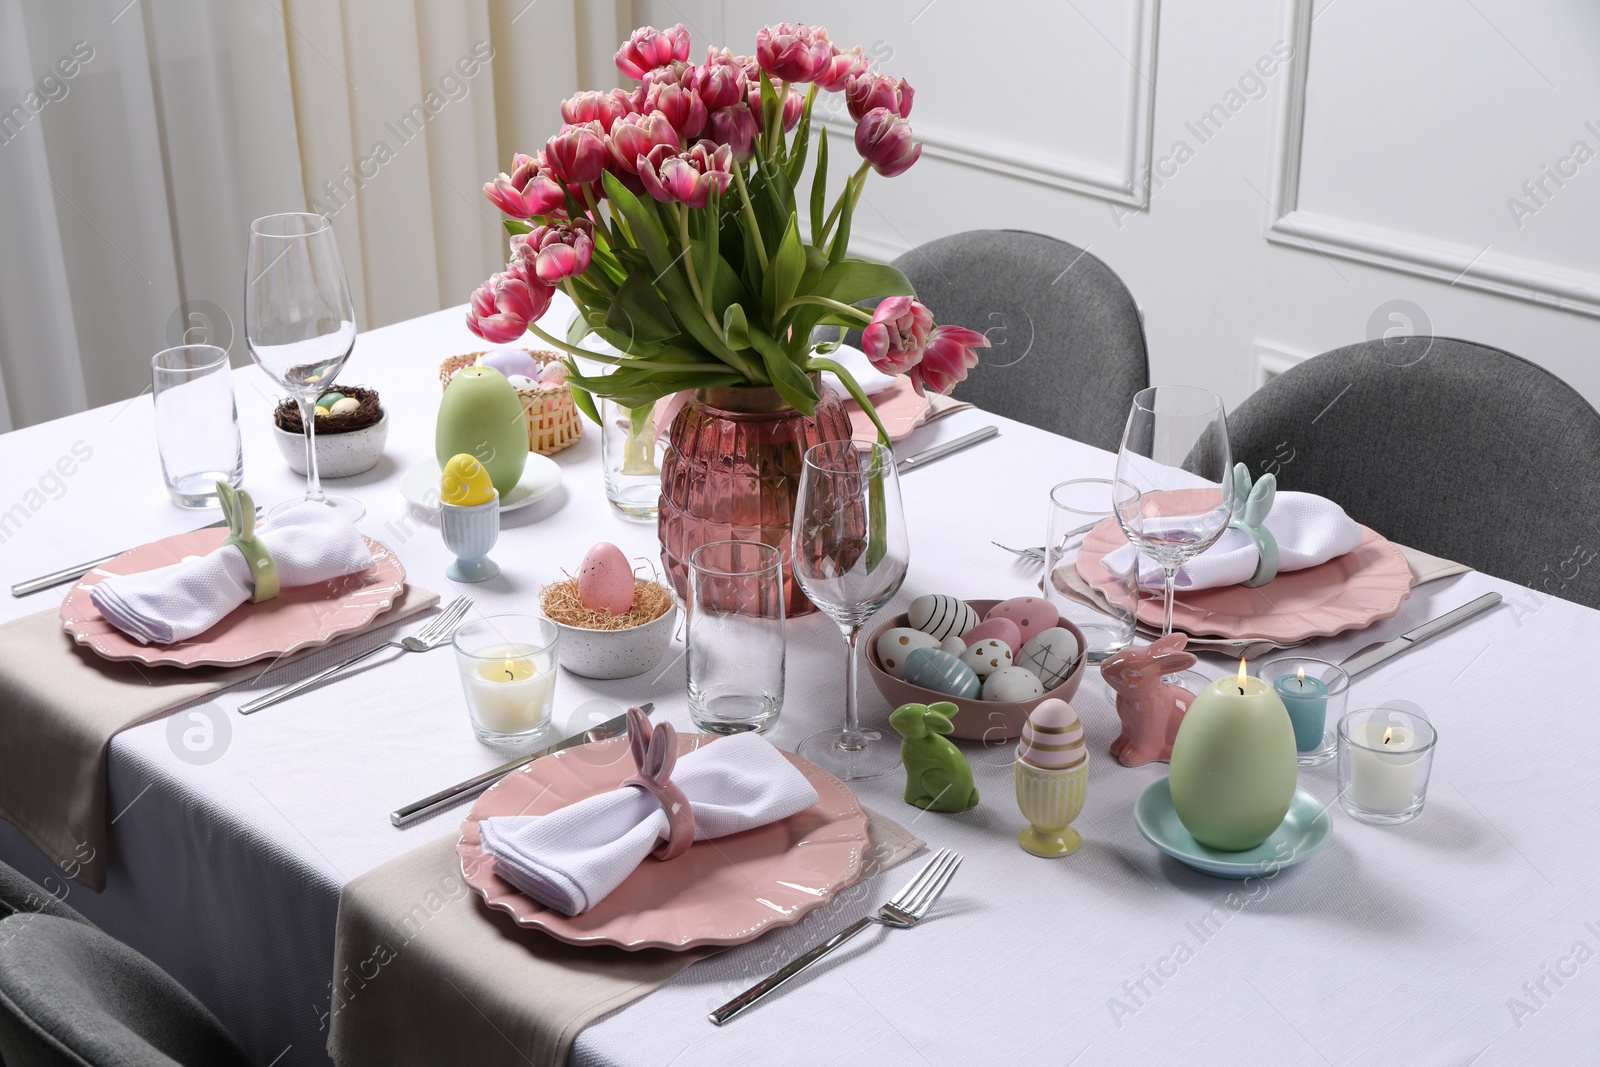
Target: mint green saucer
1305, 830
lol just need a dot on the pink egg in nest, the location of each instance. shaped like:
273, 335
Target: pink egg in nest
1052, 738
1031, 614
999, 629
605, 580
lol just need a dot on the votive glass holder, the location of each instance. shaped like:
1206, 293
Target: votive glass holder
1314, 691
1385, 758
507, 665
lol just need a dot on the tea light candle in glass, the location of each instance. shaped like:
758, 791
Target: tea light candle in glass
1385, 758
507, 665
1314, 692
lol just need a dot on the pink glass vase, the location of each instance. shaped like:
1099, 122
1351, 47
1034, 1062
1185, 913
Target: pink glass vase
731, 471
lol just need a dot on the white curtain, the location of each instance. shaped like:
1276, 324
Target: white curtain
138, 139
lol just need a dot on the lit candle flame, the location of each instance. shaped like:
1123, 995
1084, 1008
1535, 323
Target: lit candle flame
1388, 735
1300, 674
1242, 674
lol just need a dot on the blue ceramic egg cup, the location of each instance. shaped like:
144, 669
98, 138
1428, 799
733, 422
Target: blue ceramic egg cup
470, 532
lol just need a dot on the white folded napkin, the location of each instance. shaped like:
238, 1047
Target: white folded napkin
309, 542
872, 380
1309, 529
572, 859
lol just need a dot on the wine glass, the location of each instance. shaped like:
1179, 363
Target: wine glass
299, 322
849, 554
1173, 492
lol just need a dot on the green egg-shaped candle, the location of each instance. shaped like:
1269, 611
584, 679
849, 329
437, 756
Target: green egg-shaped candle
481, 416
1233, 764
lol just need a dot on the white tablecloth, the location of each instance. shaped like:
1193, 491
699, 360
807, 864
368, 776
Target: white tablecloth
1469, 935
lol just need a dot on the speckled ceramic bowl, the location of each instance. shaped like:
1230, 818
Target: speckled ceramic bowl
616, 653
339, 455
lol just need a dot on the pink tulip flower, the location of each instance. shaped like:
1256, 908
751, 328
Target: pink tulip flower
895, 338
527, 191
503, 306
560, 250
838, 71
635, 135
720, 82
604, 108
884, 139
648, 48
950, 353
681, 105
793, 103
577, 154
867, 91
793, 52
686, 177
735, 127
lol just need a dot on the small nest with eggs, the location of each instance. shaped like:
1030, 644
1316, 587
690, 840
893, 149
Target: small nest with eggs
287, 414
559, 602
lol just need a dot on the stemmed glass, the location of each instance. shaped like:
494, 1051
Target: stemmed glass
849, 554
1173, 493
299, 322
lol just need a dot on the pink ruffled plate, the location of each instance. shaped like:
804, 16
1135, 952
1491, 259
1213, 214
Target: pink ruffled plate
296, 618
1349, 592
722, 892
900, 407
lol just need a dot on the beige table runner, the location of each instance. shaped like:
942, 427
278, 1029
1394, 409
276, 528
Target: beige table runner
425, 974
60, 705
1068, 582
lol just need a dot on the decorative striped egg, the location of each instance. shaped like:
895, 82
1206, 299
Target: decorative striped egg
940, 615
896, 644
1052, 738
1030, 613
1051, 655
935, 669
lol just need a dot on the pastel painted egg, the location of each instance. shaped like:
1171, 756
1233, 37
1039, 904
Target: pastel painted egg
344, 405
522, 381
955, 644
936, 669
509, 361
327, 400
1012, 684
898, 643
1051, 655
605, 580
320, 411
986, 657
941, 615
553, 374
1030, 613
1000, 629
1052, 738
464, 482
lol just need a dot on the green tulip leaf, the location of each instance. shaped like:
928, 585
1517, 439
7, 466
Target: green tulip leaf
735, 327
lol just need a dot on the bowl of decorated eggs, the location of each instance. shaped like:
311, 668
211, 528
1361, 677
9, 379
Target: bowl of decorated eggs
613, 624
995, 660
351, 426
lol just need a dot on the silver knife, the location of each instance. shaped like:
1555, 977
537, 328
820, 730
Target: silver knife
67, 574
1373, 655
445, 798
928, 455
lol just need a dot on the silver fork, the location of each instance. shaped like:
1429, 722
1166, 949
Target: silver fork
436, 633
903, 911
1036, 554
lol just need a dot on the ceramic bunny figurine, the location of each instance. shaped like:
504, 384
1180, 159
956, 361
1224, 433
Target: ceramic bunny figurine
937, 775
1251, 507
1151, 710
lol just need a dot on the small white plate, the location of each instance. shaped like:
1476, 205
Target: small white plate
539, 478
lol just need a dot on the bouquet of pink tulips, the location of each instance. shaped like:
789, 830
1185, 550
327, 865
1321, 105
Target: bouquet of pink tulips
668, 216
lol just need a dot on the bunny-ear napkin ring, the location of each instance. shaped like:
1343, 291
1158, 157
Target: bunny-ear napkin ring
240, 511
1251, 507
655, 753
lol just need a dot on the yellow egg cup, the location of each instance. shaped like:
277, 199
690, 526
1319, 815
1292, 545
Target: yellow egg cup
1050, 800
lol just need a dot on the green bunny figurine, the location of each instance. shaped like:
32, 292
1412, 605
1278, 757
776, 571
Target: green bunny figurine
1251, 506
937, 775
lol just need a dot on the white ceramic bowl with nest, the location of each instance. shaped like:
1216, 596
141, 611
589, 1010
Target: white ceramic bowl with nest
339, 455
616, 653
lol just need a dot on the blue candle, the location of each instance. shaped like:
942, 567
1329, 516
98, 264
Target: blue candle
1307, 701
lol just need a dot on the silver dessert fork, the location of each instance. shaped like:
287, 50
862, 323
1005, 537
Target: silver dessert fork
436, 633
903, 911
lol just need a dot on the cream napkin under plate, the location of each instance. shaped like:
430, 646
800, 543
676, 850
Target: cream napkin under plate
309, 542
1310, 529
572, 859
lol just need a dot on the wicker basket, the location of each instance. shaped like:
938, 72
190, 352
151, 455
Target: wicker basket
553, 419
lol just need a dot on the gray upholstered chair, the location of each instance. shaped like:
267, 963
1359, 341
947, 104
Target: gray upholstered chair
1451, 447
1068, 348
70, 995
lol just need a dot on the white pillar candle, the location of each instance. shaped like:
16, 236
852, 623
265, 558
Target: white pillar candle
1383, 760
510, 688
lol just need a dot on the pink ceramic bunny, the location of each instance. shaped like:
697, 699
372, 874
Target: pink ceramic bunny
1151, 710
